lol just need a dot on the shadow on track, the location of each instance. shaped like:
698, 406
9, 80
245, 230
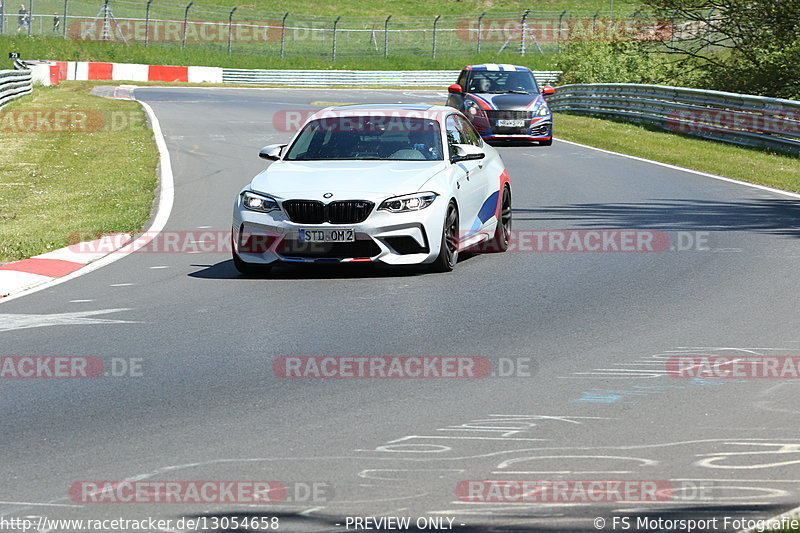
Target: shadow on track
522, 521
778, 216
300, 271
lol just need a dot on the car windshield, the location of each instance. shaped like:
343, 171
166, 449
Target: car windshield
368, 138
489, 81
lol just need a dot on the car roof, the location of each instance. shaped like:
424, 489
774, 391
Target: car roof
412, 110
498, 66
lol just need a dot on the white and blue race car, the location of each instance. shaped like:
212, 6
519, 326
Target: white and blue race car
395, 184
504, 103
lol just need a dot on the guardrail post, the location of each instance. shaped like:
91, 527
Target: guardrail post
386, 36
524, 31
435, 22
147, 23
230, 27
558, 38
2, 18
594, 24
335, 23
283, 32
64, 21
480, 30
30, 16
185, 24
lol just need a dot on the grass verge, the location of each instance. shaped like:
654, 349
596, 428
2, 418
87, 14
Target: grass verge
55, 48
90, 168
747, 164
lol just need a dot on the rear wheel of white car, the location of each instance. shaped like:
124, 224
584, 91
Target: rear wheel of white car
502, 234
448, 251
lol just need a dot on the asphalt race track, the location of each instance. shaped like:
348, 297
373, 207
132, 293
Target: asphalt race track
591, 332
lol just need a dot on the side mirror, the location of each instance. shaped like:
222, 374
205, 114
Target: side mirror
547, 89
466, 152
271, 152
455, 89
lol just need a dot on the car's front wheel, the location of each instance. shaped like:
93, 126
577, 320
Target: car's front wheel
249, 269
448, 250
502, 233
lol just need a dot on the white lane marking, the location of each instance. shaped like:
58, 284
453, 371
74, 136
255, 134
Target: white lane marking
307, 512
36, 504
158, 267
684, 169
11, 322
79, 301
163, 210
204, 227
122, 284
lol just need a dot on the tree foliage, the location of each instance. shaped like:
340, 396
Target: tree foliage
747, 46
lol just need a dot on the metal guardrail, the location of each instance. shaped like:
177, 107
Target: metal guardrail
13, 84
729, 117
326, 78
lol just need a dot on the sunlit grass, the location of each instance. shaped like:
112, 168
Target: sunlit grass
56, 183
756, 166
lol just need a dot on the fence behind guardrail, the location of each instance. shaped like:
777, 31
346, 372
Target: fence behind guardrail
323, 78
13, 84
347, 34
729, 117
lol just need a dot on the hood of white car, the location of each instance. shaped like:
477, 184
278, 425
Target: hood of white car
343, 180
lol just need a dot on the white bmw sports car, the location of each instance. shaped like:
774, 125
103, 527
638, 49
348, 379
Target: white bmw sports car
397, 184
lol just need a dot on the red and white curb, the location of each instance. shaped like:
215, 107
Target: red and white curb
21, 278
52, 72
28, 273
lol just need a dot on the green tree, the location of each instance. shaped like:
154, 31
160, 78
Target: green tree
747, 46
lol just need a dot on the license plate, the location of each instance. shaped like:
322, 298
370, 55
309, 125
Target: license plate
511, 123
327, 235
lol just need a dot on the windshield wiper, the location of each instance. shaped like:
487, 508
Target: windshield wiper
517, 92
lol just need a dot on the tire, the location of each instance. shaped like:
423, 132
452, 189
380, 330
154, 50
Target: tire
249, 269
448, 250
502, 233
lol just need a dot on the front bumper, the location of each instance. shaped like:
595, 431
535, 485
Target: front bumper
391, 238
538, 129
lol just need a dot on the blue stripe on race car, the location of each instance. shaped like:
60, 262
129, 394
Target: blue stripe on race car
489, 207
486, 212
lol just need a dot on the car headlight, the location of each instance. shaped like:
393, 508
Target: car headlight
408, 202
258, 202
472, 108
542, 111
